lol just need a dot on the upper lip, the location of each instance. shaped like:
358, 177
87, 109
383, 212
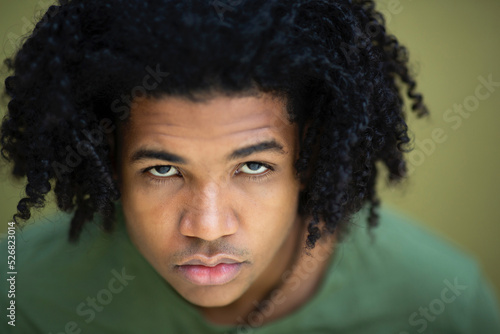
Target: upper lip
209, 261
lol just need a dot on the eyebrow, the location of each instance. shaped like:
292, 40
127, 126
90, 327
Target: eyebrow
266, 146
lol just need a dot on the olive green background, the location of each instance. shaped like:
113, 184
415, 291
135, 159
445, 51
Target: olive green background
454, 184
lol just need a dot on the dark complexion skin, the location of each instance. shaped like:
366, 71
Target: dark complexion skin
210, 199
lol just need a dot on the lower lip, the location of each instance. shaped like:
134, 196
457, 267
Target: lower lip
217, 275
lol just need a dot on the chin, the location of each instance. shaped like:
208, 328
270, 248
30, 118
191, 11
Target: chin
212, 296
211, 303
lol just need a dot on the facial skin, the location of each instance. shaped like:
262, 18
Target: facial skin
208, 202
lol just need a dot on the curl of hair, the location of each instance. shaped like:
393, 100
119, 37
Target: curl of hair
341, 73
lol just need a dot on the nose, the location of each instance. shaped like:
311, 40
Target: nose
208, 214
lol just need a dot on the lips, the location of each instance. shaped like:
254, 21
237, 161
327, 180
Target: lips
210, 271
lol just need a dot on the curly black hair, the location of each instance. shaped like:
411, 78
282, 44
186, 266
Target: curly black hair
340, 71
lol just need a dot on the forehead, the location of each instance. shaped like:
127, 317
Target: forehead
220, 119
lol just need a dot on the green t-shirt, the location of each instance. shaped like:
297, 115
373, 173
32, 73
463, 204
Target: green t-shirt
406, 281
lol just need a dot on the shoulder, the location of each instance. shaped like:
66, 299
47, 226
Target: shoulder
44, 254
403, 242
414, 274
52, 274
44, 243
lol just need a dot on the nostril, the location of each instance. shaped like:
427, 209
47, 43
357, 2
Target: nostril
208, 223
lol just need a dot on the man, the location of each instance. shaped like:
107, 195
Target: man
217, 163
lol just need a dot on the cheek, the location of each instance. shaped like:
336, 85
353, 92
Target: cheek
155, 238
144, 202
272, 214
149, 219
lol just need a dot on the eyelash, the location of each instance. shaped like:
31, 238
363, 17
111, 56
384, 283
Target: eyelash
253, 178
261, 177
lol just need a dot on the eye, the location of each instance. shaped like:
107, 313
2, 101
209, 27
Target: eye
253, 167
163, 171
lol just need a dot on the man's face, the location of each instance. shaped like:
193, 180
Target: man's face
210, 195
